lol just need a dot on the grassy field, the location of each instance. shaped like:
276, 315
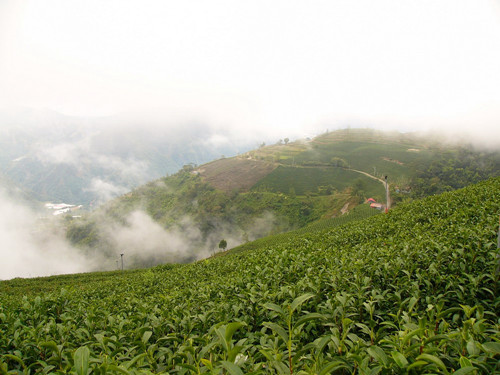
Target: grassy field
414, 291
377, 159
373, 152
279, 152
310, 179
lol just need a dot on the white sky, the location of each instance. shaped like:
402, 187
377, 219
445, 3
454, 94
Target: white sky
265, 64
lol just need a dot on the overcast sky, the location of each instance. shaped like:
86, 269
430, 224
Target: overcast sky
281, 64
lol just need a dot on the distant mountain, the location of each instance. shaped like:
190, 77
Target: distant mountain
91, 160
9, 190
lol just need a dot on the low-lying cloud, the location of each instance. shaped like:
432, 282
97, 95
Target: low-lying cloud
31, 246
144, 242
34, 242
105, 190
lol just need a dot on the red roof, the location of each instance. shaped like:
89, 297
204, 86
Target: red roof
371, 200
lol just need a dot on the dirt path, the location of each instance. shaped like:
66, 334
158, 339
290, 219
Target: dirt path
375, 178
368, 175
347, 169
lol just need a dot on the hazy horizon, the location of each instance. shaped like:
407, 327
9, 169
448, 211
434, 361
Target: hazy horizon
268, 67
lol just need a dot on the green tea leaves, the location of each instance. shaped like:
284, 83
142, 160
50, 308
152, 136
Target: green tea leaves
81, 358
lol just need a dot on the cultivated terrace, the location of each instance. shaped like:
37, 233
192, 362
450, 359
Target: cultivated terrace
414, 291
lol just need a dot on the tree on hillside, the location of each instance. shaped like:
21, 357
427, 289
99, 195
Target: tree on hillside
358, 189
339, 162
286, 140
222, 245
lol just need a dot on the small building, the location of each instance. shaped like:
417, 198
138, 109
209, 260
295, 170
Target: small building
371, 200
378, 206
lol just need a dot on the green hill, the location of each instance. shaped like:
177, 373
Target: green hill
273, 189
413, 291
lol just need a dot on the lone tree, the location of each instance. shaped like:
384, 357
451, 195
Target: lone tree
222, 245
286, 140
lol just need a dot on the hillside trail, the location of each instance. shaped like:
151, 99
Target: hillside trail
358, 171
349, 169
375, 178
368, 175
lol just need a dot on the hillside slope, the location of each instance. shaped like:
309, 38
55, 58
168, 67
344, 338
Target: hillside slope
413, 291
238, 174
358, 157
270, 190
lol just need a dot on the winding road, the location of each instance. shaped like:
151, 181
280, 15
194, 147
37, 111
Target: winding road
375, 178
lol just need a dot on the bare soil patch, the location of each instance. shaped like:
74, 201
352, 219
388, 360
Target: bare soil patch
235, 173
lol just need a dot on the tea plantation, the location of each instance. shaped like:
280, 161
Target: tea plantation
414, 291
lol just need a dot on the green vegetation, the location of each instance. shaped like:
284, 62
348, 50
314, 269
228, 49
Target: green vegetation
358, 213
317, 180
184, 201
291, 184
414, 291
448, 171
421, 165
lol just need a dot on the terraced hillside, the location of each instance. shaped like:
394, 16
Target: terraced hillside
273, 189
330, 160
413, 291
351, 157
304, 180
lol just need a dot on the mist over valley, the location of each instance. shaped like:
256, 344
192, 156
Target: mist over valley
158, 132
183, 216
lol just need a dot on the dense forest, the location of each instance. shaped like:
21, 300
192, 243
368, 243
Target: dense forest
447, 171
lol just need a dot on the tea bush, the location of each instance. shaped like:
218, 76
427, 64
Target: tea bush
413, 291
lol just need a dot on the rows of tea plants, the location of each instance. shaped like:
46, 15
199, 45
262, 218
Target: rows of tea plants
309, 179
360, 212
414, 291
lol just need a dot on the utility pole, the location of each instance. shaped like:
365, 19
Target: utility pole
121, 255
386, 195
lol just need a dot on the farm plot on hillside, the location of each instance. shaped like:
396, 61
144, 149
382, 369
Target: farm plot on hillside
414, 291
